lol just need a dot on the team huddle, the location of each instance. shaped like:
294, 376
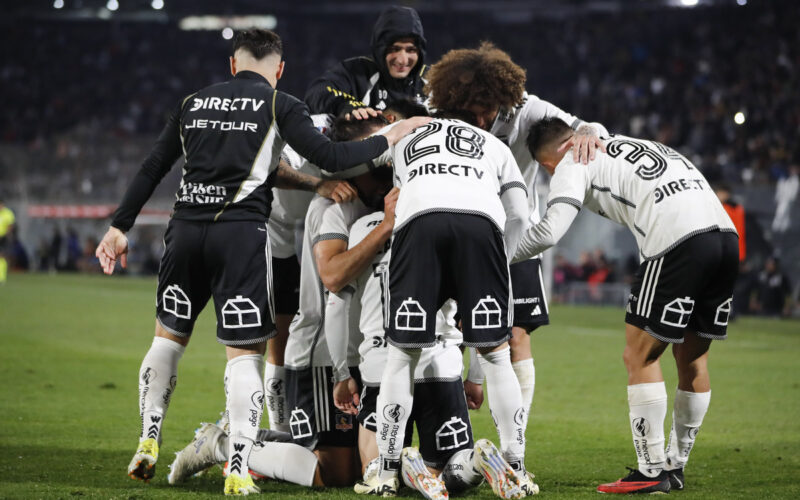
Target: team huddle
365, 238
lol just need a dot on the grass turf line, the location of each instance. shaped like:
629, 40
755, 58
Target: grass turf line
72, 345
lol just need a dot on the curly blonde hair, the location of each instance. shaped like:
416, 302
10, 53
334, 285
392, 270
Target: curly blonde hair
485, 76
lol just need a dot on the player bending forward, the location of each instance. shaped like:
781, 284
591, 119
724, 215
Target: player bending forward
461, 211
681, 294
446, 459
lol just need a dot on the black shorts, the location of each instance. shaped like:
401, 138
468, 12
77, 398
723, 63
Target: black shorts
527, 288
443, 255
440, 414
286, 284
690, 287
229, 260
314, 420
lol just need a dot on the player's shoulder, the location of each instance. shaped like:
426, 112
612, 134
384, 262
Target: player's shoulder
359, 64
363, 226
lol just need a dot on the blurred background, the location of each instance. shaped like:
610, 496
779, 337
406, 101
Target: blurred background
86, 85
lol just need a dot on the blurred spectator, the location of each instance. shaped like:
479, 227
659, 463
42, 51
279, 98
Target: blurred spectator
773, 290
736, 213
785, 194
6, 227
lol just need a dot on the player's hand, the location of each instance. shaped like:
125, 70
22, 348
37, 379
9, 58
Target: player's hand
405, 127
389, 206
338, 191
361, 114
345, 396
584, 144
114, 245
474, 394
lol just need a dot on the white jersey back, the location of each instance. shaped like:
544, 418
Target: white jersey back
325, 220
450, 166
443, 361
289, 206
512, 128
648, 187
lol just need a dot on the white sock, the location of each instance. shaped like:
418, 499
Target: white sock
275, 392
244, 406
284, 461
393, 407
648, 408
505, 402
687, 416
526, 375
459, 474
157, 378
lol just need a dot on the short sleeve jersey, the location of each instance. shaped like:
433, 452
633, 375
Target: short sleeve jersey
450, 166
512, 128
646, 186
440, 362
325, 220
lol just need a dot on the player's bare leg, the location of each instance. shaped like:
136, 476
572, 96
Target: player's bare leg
244, 407
338, 465
275, 375
367, 447
158, 376
692, 398
647, 402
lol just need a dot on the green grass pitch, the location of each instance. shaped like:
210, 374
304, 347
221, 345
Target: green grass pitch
72, 345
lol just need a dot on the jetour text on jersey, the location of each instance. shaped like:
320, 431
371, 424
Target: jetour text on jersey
225, 104
444, 168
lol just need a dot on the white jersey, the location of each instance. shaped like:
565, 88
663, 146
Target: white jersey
451, 166
325, 220
289, 206
512, 128
646, 186
441, 362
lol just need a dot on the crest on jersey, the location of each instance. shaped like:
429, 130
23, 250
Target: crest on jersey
240, 312
299, 424
452, 434
678, 312
410, 316
175, 302
486, 314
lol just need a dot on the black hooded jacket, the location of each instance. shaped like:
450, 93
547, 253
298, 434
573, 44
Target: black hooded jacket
364, 81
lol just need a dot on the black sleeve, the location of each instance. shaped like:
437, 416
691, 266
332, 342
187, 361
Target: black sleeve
166, 150
297, 129
336, 91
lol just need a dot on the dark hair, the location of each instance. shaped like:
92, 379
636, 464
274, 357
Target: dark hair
544, 132
485, 76
406, 108
349, 130
458, 114
259, 42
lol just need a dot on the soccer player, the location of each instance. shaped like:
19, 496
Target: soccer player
681, 294
487, 83
446, 460
394, 72
230, 135
6, 227
458, 219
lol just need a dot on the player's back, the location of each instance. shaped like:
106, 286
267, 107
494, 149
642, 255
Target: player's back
654, 191
451, 166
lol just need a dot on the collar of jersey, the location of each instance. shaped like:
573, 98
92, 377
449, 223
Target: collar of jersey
251, 75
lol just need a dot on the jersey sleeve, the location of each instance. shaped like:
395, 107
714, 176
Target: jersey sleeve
165, 152
536, 109
567, 194
335, 91
297, 129
334, 224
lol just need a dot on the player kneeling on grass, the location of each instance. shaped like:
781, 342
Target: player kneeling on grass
446, 460
681, 294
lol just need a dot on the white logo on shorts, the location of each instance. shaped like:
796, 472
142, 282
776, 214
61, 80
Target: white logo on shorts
452, 434
410, 316
299, 424
239, 313
175, 301
486, 314
678, 312
536, 311
723, 313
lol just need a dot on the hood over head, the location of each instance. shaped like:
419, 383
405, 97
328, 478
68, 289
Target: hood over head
397, 22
